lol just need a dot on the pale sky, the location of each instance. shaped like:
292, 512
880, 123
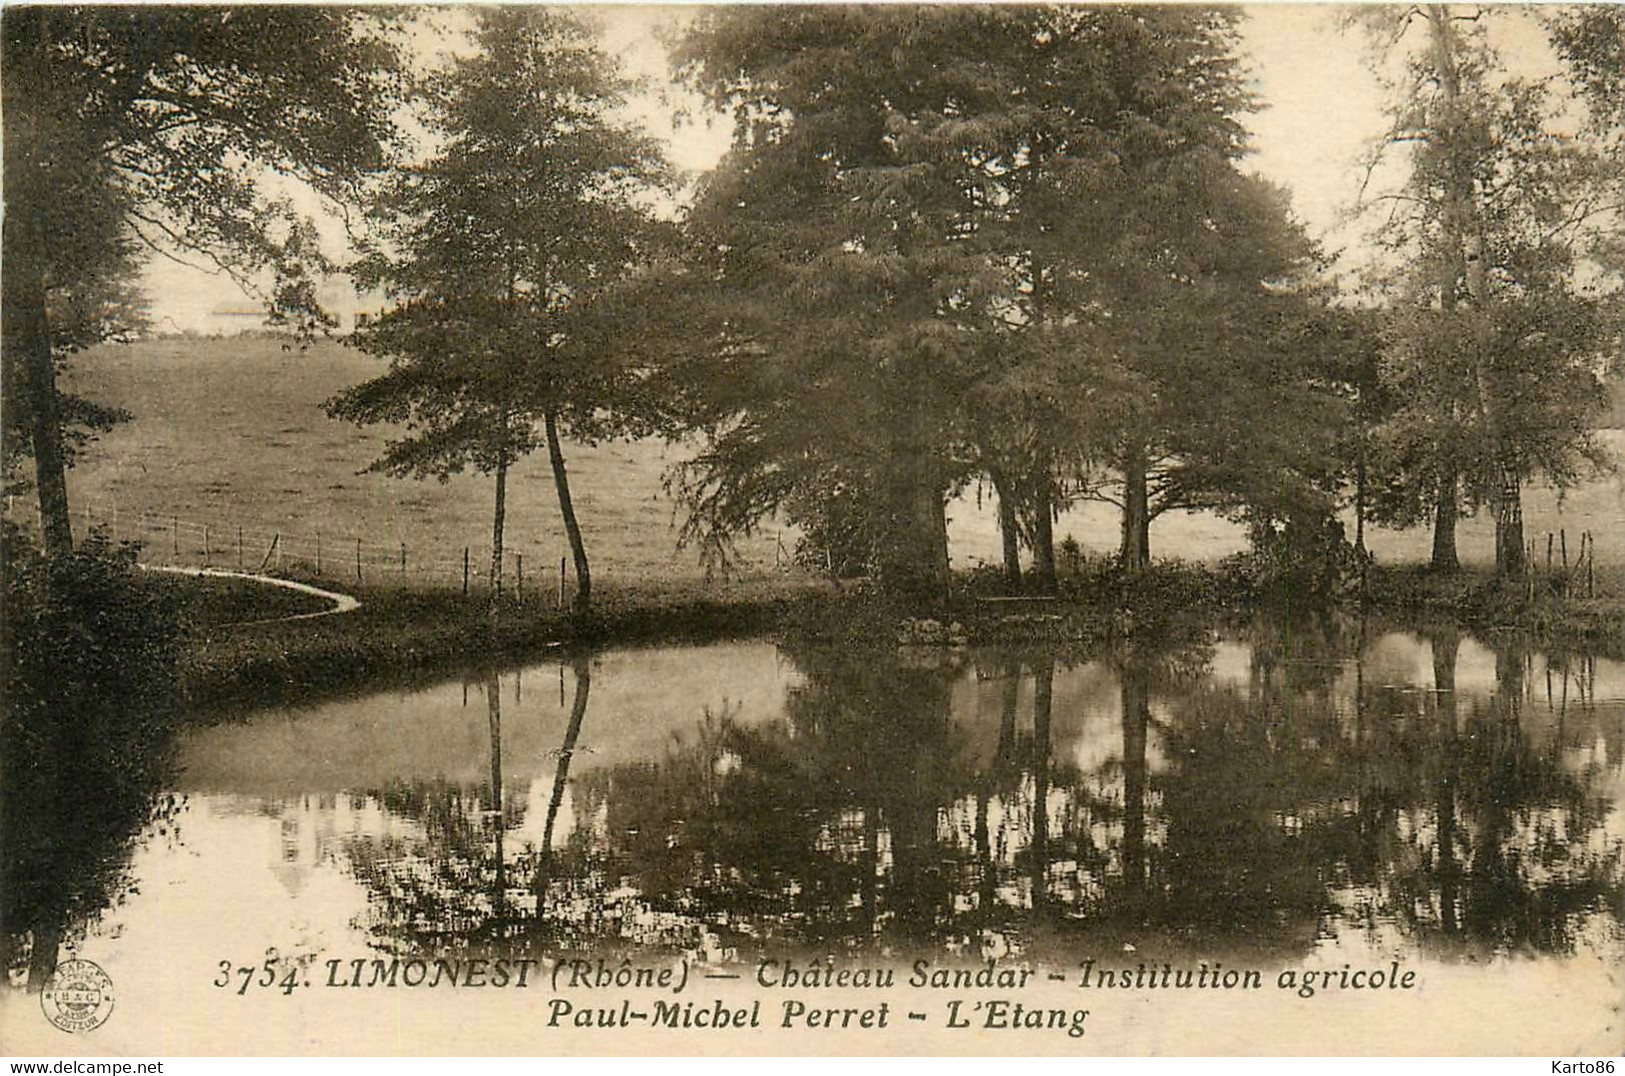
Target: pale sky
1322, 108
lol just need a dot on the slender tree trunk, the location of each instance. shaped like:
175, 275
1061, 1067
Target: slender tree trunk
498, 522
1009, 528
938, 507
27, 343
1135, 549
572, 529
1044, 531
1359, 504
1444, 527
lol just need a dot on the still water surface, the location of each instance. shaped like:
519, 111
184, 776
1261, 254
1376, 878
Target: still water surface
1303, 795
1267, 794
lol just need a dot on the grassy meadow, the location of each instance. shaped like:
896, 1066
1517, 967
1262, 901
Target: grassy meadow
229, 433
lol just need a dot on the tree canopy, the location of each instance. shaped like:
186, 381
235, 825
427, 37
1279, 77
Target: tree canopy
1493, 330
154, 126
937, 263
494, 254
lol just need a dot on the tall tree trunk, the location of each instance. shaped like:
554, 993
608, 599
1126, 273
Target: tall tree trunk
914, 550
1444, 526
27, 343
1509, 548
498, 523
1464, 230
1009, 528
1135, 549
1044, 531
572, 529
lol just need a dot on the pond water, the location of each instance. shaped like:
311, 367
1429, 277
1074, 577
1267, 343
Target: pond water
1288, 795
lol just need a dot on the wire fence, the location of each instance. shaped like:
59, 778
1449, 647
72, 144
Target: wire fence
169, 539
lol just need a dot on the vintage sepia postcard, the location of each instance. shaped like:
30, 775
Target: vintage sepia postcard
898, 530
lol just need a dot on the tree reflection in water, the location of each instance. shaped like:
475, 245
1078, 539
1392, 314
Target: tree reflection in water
1308, 798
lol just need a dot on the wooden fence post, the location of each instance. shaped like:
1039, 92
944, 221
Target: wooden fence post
205, 543
403, 560
561, 583
519, 573
175, 535
318, 552
358, 560
274, 551
239, 545
465, 571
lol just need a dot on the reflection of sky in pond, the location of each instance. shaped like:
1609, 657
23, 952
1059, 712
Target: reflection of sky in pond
1266, 798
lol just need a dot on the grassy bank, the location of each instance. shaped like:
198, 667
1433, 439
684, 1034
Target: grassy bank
1477, 601
399, 636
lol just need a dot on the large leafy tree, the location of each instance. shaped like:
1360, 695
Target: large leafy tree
1207, 386
154, 124
839, 250
1110, 139
920, 242
1495, 334
497, 253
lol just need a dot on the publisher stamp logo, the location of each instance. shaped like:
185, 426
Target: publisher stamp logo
78, 996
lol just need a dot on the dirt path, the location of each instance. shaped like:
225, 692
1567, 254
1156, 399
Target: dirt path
342, 603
